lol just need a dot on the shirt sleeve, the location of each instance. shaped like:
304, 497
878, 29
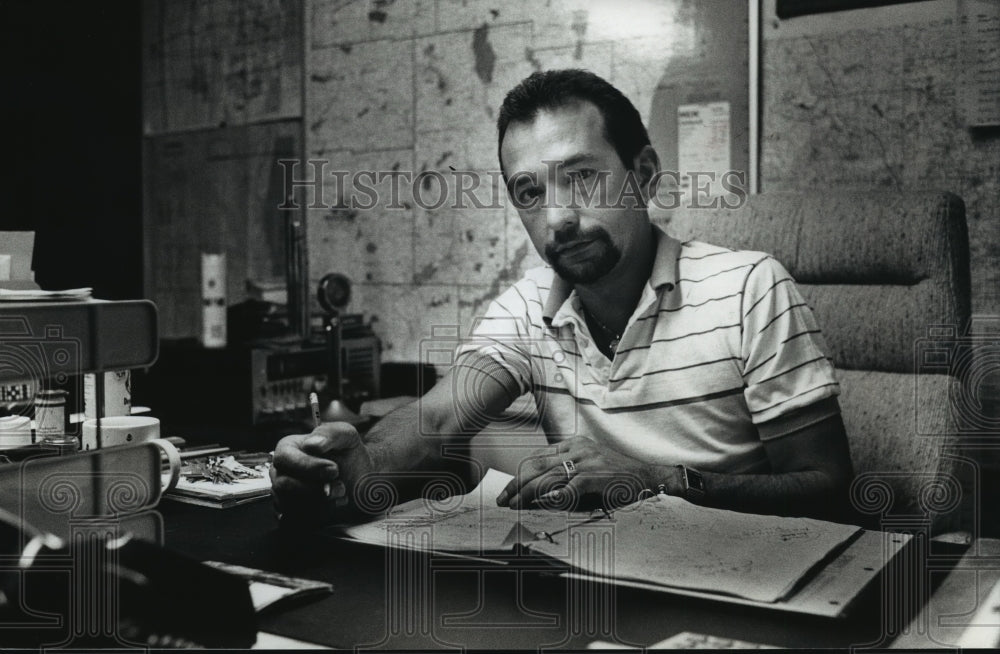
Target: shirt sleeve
500, 343
785, 367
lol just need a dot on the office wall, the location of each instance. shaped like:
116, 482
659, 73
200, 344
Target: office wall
408, 86
415, 86
870, 99
222, 101
859, 99
213, 63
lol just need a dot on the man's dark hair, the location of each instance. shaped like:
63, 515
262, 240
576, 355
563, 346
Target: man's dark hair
552, 89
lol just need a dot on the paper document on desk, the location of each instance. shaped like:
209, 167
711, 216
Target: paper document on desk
668, 541
663, 540
470, 523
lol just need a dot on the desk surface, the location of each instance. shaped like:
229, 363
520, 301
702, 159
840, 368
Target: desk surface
944, 621
398, 599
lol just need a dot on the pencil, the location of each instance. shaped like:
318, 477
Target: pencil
317, 421
314, 403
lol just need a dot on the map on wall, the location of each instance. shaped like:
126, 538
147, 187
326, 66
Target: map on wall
214, 191
211, 63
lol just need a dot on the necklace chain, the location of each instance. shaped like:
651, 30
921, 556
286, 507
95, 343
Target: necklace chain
615, 336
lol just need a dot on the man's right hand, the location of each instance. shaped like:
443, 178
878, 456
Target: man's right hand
313, 474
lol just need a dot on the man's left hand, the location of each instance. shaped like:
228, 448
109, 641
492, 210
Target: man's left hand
594, 477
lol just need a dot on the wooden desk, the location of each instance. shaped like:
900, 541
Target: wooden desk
409, 600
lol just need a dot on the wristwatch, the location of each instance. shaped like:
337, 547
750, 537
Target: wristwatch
693, 484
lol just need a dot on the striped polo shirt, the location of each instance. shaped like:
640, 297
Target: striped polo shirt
720, 354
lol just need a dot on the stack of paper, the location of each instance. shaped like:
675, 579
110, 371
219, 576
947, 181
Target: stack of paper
663, 541
194, 489
220, 496
670, 542
471, 523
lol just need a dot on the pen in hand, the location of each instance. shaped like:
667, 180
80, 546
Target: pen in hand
317, 421
314, 403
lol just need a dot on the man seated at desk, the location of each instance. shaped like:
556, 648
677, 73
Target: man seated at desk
675, 367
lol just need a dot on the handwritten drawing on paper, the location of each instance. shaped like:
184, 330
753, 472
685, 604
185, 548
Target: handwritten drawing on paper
663, 540
668, 541
468, 523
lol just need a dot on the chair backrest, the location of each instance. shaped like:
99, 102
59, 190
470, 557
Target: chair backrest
885, 274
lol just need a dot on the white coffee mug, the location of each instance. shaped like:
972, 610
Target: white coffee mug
15, 431
120, 430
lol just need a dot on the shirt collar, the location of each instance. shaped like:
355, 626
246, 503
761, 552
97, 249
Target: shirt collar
664, 274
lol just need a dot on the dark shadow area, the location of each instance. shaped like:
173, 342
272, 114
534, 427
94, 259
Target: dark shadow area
72, 137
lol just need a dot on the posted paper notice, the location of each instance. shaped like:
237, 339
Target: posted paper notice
703, 146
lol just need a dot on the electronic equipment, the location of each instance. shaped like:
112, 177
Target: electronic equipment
281, 377
216, 394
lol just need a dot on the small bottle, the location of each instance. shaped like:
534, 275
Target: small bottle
50, 421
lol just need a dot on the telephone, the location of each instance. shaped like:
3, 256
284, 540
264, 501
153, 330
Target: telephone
122, 591
80, 563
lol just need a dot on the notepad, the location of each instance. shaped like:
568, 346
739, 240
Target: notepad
664, 541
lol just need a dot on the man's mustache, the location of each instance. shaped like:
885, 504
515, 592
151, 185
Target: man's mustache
572, 235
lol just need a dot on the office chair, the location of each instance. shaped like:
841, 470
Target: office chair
887, 276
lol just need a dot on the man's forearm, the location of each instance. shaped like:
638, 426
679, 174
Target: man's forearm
413, 436
411, 439
810, 475
397, 444
811, 493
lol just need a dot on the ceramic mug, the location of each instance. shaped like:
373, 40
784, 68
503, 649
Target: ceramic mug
120, 430
15, 431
